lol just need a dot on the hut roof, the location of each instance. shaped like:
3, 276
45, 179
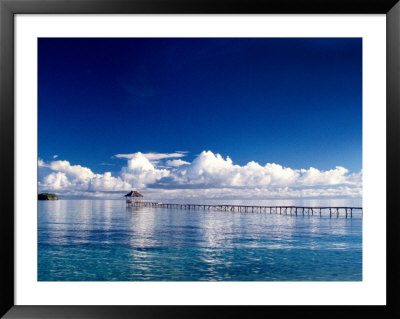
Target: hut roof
133, 194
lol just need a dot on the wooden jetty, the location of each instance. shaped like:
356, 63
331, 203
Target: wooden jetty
281, 210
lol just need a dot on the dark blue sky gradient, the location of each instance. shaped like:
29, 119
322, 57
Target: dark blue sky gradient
295, 102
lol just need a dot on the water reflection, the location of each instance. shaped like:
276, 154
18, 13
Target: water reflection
104, 240
141, 226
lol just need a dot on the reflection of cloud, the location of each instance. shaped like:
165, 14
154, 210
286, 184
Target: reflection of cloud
209, 175
56, 231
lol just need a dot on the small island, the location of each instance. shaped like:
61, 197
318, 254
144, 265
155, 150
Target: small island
47, 196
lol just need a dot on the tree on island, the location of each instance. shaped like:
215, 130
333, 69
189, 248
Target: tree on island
47, 196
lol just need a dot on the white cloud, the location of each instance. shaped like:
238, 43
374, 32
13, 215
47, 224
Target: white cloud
67, 177
55, 156
209, 175
177, 163
212, 170
56, 181
72, 171
140, 171
313, 176
153, 156
41, 163
106, 182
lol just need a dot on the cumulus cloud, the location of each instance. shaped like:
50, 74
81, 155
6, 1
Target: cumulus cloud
56, 181
67, 177
55, 156
140, 171
209, 174
73, 171
106, 182
212, 170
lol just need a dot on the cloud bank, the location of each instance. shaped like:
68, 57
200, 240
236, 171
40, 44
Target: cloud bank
209, 175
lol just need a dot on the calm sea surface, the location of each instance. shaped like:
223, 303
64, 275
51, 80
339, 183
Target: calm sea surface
99, 240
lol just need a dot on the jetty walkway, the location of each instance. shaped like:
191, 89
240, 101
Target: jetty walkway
281, 210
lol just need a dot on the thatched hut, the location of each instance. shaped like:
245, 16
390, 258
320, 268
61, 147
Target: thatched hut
133, 197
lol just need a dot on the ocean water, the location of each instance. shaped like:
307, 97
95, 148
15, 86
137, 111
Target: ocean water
102, 240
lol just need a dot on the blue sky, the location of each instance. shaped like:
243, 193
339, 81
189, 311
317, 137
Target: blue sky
294, 102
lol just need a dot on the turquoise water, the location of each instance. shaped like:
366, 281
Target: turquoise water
102, 240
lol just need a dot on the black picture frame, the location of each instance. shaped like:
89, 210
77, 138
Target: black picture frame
9, 8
